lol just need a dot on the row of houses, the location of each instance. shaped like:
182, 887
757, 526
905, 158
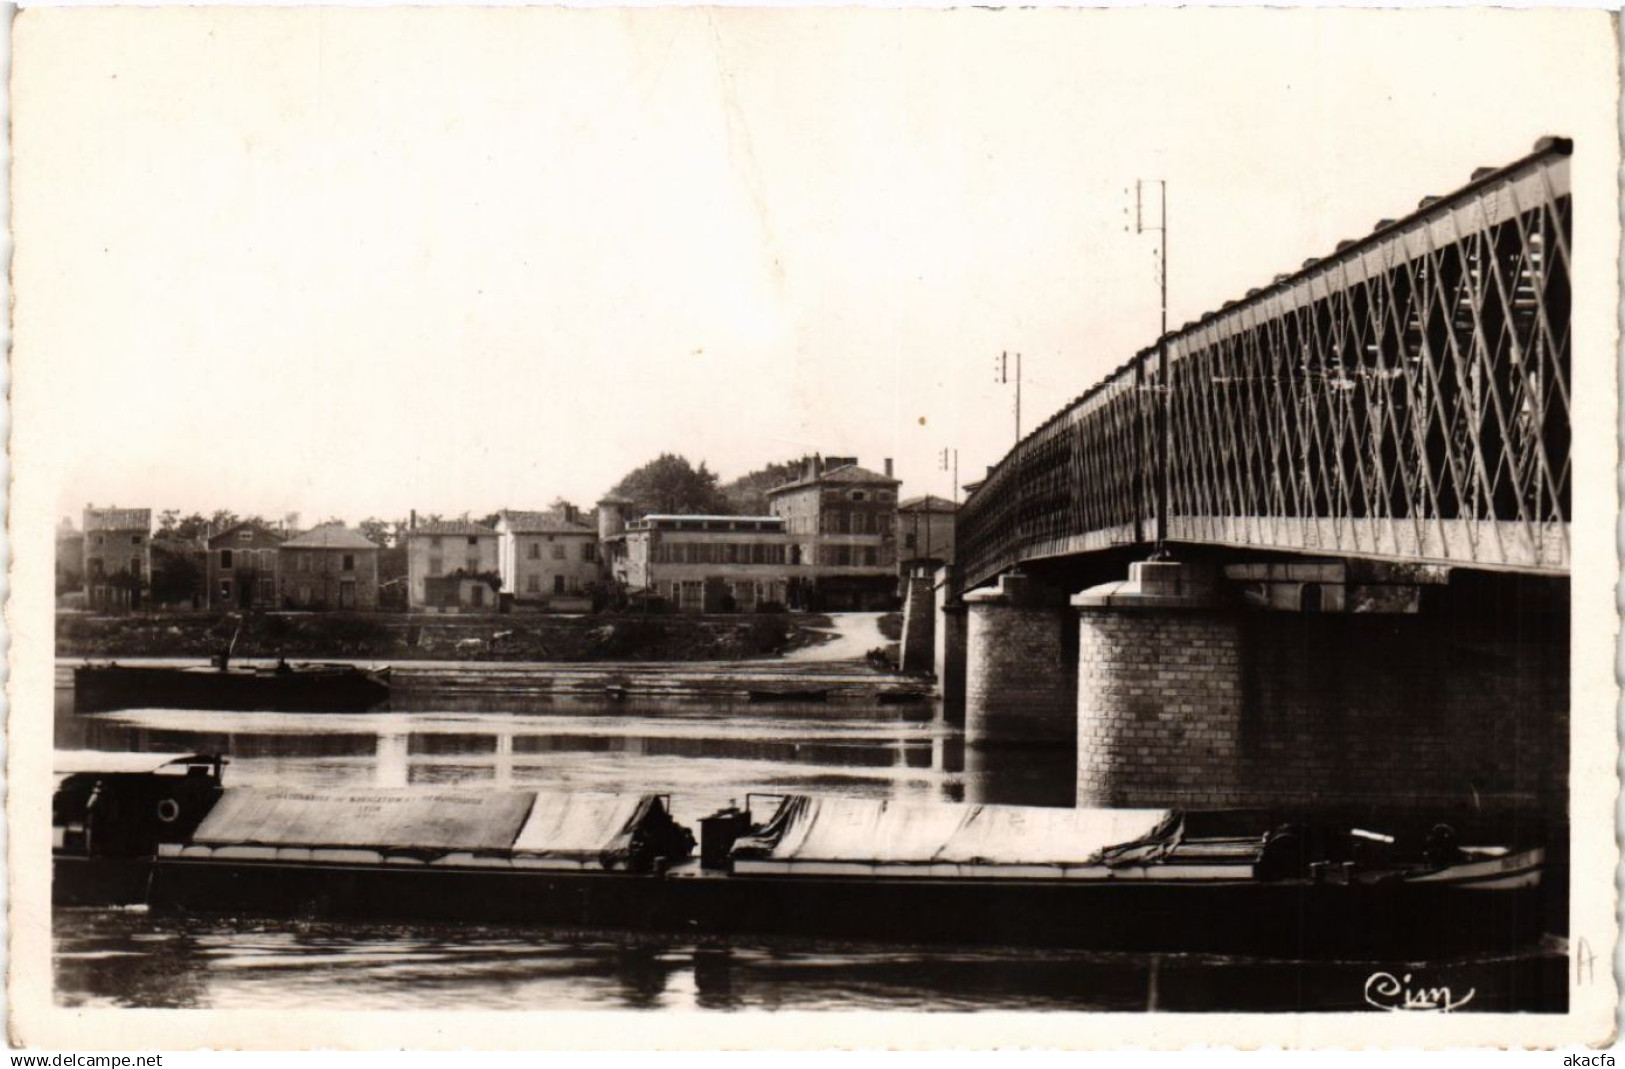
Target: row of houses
836, 537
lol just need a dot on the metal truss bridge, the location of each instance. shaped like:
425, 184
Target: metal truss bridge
1404, 398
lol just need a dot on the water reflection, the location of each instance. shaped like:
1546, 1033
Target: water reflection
127, 958
704, 755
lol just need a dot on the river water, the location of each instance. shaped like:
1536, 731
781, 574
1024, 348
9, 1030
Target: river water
705, 755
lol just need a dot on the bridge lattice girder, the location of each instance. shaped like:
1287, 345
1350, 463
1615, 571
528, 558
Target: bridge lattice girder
1405, 398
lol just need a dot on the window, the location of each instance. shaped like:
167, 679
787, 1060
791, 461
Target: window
96, 567
225, 590
434, 541
135, 567
909, 541
304, 565
348, 563
558, 584
225, 559
558, 550
535, 551
473, 540
436, 566
472, 565
883, 495
589, 551
245, 535
859, 495
534, 584
135, 540
869, 556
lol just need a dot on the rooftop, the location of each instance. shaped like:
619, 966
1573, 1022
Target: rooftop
847, 473
117, 519
727, 519
451, 527
333, 536
928, 503
520, 521
262, 528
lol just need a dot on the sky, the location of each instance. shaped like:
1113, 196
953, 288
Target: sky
354, 262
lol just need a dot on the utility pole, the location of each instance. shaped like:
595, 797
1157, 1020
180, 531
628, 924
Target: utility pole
1004, 377
1161, 389
943, 460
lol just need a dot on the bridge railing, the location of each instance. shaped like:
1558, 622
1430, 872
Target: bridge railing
1407, 397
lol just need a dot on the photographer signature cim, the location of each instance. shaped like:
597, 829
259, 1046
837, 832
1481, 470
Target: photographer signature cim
1385, 991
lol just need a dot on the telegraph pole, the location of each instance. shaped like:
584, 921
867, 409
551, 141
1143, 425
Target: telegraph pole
1162, 387
943, 460
1002, 376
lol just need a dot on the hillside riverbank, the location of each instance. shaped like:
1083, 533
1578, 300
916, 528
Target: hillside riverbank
414, 637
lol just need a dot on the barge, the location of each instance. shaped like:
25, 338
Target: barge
1130, 880
283, 687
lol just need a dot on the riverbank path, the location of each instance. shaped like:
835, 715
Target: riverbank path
856, 633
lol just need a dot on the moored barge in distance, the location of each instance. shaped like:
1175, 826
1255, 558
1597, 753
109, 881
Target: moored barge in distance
1131, 880
283, 687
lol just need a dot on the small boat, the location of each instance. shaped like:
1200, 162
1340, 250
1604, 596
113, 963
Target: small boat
1143, 880
305, 687
764, 696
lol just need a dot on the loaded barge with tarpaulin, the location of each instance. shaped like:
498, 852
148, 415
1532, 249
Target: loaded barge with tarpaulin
1139, 880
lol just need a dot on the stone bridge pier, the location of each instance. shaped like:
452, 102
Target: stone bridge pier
1339, 690
1020, 683
1310, 690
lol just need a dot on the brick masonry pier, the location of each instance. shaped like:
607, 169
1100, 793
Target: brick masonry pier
1020, 683
1306, 689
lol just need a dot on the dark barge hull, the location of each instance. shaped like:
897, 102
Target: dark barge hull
99, 881
336, 689
1287, 919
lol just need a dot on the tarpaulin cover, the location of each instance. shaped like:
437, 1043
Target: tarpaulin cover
586, 826
374, 817
886, 832
73, 762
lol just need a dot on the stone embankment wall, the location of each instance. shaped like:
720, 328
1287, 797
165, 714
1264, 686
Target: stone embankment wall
385, 636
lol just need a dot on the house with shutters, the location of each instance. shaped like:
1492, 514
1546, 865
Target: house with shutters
713, 564
329, 568
118, 557
842, 519
548, 560
925, 533
242, 567
452, 566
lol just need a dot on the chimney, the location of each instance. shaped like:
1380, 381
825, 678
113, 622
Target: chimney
569, 513
888, 468
412, 520
812, 467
